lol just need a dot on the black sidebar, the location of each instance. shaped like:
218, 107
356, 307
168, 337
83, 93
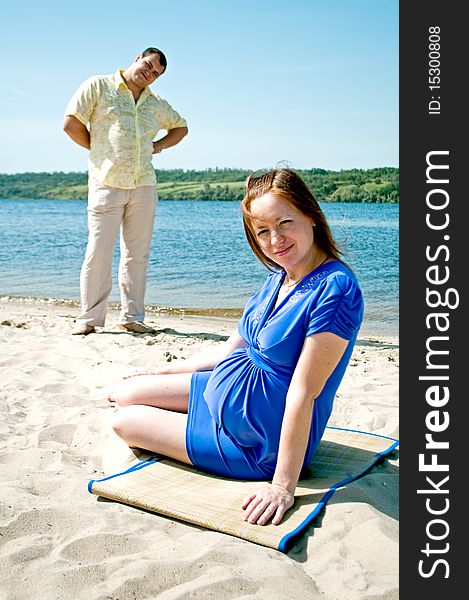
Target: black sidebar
434, 333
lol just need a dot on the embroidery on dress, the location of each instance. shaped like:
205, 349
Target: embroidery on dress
257, 316
260, 311
305, 288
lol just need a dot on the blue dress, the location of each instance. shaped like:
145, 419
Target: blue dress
235, 411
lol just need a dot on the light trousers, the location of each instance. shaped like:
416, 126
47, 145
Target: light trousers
133, 212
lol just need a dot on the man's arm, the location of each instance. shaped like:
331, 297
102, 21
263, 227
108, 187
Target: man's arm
77, 131
173, 137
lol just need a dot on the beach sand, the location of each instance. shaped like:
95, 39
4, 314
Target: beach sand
58, 542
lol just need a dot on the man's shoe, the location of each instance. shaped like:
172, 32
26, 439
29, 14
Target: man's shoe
137, 327
83, 329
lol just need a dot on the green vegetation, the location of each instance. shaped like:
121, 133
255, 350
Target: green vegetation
353, 185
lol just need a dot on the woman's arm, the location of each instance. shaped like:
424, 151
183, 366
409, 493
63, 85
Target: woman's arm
205, 361
320, 355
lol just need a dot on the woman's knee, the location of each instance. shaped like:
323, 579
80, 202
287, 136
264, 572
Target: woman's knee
124, 423
118, 424
124, 393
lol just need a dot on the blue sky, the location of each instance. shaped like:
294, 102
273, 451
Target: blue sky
313, 83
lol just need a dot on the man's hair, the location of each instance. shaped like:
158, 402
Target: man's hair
161, 56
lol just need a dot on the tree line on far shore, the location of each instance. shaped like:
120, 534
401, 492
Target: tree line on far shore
379, 185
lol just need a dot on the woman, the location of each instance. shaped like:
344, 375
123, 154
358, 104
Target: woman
256, 408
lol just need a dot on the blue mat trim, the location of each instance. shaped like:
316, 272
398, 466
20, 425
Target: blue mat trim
136, 467
288, 540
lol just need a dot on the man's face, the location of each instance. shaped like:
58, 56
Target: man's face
146, 69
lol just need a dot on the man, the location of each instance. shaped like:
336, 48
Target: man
117, 118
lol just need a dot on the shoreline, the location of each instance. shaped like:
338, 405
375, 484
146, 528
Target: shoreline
232, 314
115, 306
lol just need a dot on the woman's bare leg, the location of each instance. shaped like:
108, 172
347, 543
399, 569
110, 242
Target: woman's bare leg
153, 413
155, 429
162, 391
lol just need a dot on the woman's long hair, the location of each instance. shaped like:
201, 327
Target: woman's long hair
288, 185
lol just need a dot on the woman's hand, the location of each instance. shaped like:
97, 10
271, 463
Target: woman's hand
180, 366
268, 502
140, 371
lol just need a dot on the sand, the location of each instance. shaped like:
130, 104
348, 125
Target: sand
58, 542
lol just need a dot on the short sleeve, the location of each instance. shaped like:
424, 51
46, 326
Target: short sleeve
169, 118
338, 308
83, 101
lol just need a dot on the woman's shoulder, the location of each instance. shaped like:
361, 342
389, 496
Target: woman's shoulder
342, 284
332, 275
272, 278
341, 275
336, 284
338, 305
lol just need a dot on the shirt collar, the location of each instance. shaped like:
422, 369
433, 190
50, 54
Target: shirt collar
120, 83
118, 79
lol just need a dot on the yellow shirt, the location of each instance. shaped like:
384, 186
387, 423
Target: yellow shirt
121, 130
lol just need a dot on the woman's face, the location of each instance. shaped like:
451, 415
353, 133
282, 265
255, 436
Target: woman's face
285, 235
